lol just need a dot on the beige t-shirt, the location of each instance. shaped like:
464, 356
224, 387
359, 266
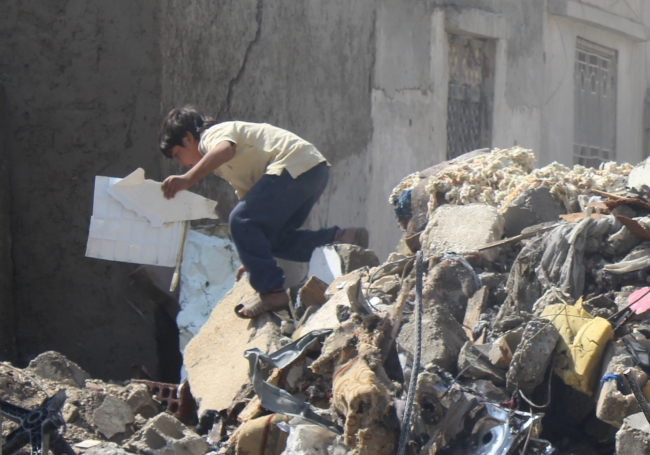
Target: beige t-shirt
260, 149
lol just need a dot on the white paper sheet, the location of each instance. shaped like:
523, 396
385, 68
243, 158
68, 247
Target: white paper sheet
145, 198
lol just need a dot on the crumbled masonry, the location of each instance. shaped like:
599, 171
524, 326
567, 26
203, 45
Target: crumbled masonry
534, 307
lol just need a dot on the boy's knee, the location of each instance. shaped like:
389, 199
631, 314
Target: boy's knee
235, 219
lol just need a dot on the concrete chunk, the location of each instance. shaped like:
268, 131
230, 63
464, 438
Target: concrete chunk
214, 358
140, 401
531, 359
112, 417
442, 337
313, 292
474, 363
531, 207
463, 229
354, 257
634, 436
55, 366
165, 435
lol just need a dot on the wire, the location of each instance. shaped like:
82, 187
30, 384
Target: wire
410, 396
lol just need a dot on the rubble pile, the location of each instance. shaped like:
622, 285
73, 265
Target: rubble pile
95, 417
526, 332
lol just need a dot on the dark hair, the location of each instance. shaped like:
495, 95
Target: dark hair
178, 122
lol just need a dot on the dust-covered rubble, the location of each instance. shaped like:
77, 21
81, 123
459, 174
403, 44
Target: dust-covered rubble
505, 323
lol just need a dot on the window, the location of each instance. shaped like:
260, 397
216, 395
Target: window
470, 96
594, 104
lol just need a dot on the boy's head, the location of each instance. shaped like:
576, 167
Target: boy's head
177, 124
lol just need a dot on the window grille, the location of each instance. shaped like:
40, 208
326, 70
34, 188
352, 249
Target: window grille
594, 104
469, 98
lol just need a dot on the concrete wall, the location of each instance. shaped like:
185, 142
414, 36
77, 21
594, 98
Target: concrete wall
7, 332
303, 66
83, 87
409, 97
607, 25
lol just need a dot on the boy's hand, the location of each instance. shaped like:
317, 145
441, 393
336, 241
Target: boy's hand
174, 184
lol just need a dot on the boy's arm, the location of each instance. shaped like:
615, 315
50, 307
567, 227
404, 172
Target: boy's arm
222, 153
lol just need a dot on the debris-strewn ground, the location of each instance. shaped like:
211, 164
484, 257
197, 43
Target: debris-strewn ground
530, 325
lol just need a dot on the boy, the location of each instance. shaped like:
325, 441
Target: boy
277, 176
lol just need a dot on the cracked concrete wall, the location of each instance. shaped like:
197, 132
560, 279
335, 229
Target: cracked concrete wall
82, 79
7, 332
303, 66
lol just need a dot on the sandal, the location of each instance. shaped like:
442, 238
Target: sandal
263, 303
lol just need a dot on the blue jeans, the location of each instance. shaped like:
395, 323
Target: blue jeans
264, 225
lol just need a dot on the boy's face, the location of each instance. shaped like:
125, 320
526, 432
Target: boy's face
187, 155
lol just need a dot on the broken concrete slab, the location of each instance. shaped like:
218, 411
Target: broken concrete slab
354, 257
463, 229
450, 284
442, 337
473, 362
109, 449
112, 417
345, 294
634, 436
55, 366
165, 435
313, 292
532, 357
533, 206
502, 349
214, 358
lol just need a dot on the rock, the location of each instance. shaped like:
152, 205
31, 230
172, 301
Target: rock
462, 229
345, 294
442, 337
473, 363
55, 366
354, 257
634, 436
214, 358
531, 207
475, 306
502, 349
639, 176
112, 416
109, 449
613, 405
165, 435
313, 292
140, 400
451, 285
531, 359
70, 412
